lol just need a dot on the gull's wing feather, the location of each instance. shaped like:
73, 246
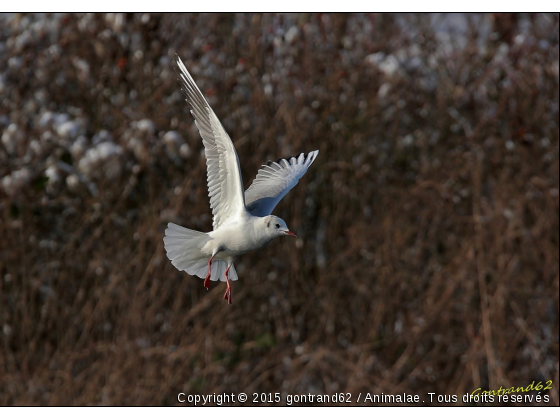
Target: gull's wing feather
225, 186
273, 182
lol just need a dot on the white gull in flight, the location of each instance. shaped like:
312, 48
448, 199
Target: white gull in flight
241, 219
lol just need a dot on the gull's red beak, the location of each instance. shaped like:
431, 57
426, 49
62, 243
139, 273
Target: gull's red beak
287, 232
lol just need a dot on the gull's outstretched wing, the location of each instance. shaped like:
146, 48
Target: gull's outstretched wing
225, 186
273, 182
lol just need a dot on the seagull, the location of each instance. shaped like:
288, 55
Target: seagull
242, 220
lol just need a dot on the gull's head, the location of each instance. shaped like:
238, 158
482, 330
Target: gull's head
277, 227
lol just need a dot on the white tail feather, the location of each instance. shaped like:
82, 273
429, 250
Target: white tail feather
184, 249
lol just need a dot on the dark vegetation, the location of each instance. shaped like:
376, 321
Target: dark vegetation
427, 258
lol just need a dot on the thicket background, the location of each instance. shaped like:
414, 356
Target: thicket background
427, 258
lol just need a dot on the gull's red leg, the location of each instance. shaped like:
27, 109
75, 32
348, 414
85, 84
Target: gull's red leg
207, 279
227, 295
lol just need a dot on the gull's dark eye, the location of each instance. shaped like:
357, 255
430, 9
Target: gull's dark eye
277, 225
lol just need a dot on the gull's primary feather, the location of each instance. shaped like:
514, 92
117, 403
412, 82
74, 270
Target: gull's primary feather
225, 186
274, 180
